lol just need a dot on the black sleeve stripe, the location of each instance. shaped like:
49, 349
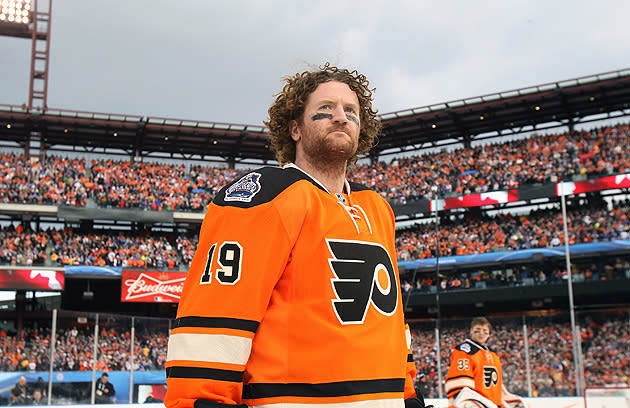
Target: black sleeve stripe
204, 373
410, 358
454, 391
213, 404
336, 389
217, 322
458, 376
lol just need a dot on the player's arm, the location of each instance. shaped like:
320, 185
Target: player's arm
241, 255
469, 398
460, 375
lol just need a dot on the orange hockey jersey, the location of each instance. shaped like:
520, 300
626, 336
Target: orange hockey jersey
292, 297
476, 367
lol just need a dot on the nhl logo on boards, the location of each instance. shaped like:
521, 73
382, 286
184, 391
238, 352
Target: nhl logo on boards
244, 189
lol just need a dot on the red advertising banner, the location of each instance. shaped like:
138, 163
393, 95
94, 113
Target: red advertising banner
476, 200
586, 186
31, 279
152, 286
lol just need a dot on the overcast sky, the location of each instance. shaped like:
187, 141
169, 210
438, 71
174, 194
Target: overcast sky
223, 61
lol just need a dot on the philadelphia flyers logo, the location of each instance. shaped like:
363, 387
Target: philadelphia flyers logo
364, 274
490, 376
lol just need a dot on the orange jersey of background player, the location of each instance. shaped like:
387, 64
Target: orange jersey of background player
475, 366
312, 316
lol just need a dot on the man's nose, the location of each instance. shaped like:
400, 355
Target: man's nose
339, 115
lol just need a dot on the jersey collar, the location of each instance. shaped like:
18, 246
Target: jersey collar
481, 346
346, 185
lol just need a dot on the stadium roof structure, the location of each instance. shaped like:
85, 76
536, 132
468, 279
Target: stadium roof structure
546, 106
551, 105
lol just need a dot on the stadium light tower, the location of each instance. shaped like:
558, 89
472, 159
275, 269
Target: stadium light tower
31, 19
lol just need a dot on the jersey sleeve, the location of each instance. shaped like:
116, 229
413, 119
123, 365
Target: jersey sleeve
460, 374
241, 254
412, 371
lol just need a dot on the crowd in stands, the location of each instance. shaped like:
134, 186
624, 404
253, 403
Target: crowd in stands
74, 350
471, 235
52, 180
159, 186
605, 342
605, 345
507, 232
67, 246
22, 247
108, 248
500, 166
154, 186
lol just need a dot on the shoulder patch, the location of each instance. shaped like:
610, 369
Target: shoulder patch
244, 189
259, 186
465, 347
468, 347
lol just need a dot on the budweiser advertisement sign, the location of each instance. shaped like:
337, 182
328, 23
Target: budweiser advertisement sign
31, 279
152, 287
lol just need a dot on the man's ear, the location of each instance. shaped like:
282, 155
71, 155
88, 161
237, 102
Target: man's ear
294, 128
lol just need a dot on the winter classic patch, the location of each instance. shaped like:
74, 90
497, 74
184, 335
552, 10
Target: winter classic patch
244, 189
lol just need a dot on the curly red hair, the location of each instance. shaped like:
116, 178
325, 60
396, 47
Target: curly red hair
290, 103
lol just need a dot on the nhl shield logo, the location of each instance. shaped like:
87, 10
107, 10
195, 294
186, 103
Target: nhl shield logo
245, 189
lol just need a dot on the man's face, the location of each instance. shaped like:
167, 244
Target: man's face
329, 130
480, 334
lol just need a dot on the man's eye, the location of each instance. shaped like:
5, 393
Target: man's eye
350, 110
325, 107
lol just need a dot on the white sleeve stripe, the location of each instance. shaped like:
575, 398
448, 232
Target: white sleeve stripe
459, 382
211, 348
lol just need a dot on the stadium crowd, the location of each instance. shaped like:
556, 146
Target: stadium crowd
503, 165
52, 180
158, 186
461, 236
113, 249
22, 247
540, 228
74, 350
605, 342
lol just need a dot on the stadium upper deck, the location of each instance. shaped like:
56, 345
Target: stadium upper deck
562, 103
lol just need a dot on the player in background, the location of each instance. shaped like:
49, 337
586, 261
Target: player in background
474, 378
293, 297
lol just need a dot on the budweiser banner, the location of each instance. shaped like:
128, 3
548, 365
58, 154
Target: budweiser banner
152, 287
31, 279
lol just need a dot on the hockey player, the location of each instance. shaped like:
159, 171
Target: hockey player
474, 378
293, 297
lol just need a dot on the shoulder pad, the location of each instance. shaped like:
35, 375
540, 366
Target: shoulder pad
258, 187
